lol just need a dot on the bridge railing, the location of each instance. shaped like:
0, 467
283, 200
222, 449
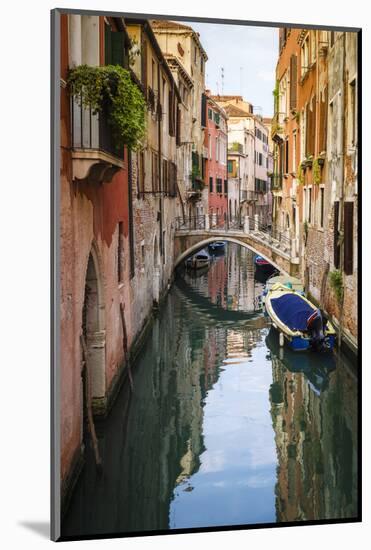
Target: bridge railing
271, 235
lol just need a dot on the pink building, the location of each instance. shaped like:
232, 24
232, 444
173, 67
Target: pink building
216, 141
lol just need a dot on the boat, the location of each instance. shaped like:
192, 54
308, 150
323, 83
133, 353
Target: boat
290, 282
263, 265
217, 247
301, 323
199, 260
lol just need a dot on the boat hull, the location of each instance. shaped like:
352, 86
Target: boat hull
297, 340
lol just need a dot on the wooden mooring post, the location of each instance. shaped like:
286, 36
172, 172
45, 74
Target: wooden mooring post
125, 345
87, 390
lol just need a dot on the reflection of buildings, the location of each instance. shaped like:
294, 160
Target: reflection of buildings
316, 438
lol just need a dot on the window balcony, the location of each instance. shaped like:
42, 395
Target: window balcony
95, 157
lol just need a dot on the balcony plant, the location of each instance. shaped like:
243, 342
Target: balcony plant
316, 172
300, 174
110, 88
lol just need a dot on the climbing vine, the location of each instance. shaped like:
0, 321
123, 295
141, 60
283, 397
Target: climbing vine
336, 283
276, 95
300, 174
110, 88
316, 171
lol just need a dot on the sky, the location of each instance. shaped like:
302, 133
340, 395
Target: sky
248, 56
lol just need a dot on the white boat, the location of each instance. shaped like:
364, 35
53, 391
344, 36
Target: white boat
199, 260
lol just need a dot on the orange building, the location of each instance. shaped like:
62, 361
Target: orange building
315, 165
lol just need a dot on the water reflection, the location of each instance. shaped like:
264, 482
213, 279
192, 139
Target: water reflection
220, 430
314, 413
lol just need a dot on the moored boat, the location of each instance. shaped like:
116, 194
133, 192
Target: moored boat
301, 323
199, 260
217, 247
263, 265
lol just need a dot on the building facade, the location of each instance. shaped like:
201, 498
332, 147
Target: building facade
117, 220
183, 43
215, 152
315, 165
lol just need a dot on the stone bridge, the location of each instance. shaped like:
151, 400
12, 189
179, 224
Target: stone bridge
193, 234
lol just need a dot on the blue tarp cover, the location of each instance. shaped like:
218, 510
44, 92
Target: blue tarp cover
292, 311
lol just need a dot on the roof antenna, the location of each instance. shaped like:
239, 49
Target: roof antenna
222, 77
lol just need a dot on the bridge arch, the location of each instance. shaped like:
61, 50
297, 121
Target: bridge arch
202, 243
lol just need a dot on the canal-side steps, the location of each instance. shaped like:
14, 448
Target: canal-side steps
271, 242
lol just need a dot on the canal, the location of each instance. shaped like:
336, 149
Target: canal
223, 427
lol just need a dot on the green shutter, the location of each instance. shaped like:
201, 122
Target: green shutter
117, 42
107, 45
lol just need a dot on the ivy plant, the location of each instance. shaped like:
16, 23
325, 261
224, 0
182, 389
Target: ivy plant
336, 283
316, 171
300, 174
110, 88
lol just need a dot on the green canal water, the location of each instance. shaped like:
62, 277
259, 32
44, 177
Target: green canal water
223, 427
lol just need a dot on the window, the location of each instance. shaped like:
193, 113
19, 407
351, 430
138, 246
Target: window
225, 187
322, 145
210, 114
195, 56
352, 101
310, 205
293, 163
155, 176
210, 184
293, 81
120, 252
336, 236
165, 177
202, 64
219, 185
230, 166
332, 38
321, 206
310, 127
141, 173
305, 56
153, 75
286, 157
143, 254
313, 47
216, 149
348, 237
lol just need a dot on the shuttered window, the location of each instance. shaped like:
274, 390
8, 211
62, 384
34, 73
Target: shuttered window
322, 145
171, 113
144, 62
210, 184
293, 81
310, 128
348, 237
155, 179
203, 110
117, 44
114, 47
178, 126
336, 236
